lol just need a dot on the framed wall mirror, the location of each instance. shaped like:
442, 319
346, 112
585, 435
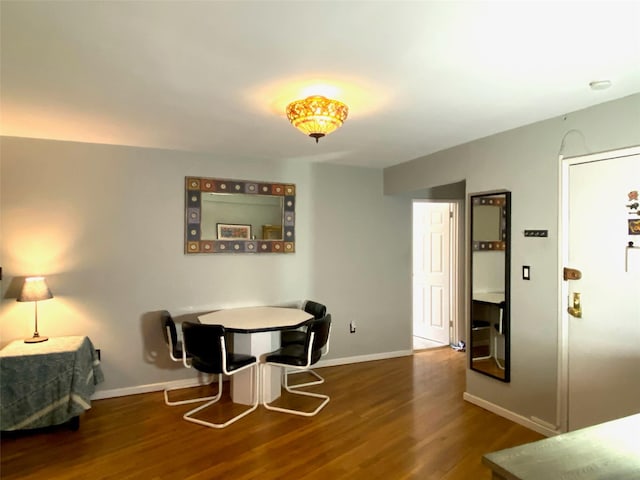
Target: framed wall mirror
238, 216
490, 259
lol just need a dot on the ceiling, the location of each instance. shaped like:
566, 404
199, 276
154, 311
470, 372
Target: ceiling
214, 76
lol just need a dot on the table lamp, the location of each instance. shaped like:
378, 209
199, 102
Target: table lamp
33, 290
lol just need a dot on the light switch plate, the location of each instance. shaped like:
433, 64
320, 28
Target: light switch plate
526, 272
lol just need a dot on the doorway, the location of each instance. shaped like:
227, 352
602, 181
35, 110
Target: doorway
601, 333
434, 273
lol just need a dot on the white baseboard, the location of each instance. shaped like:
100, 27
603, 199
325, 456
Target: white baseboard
362, 358
156, 387
150, 387
542, 427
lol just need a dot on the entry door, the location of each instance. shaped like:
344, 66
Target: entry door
604, 344
431, 271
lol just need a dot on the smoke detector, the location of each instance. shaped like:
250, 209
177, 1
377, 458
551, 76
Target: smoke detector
600, 84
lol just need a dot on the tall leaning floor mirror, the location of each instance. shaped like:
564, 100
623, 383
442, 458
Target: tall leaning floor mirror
489, 342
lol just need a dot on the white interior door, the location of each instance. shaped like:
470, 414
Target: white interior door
604, 344
431, 271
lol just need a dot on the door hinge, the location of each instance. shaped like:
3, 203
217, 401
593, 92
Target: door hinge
571, 274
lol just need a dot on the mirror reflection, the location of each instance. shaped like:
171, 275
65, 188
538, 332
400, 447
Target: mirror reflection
238, 216
262, 214
489, 343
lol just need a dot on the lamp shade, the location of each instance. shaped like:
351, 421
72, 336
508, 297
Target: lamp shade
317, 116
34, 290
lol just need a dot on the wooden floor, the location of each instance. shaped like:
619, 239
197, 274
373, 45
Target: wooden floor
489, 366
402, 418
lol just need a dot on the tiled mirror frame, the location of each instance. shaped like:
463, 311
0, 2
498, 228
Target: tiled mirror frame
493, 245
193, 244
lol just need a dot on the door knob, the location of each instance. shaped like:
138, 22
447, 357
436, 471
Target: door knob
576, 309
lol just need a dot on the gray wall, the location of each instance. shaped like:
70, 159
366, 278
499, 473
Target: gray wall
361, 250
525, 161
105, 225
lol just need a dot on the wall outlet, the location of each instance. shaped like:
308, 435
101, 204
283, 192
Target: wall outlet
352, 327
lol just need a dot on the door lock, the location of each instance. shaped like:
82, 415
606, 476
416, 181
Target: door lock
576, 309
571, 274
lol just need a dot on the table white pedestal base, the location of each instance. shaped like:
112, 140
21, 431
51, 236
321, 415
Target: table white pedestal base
256, 344
256, 332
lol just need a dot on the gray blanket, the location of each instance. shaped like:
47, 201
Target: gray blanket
46, 383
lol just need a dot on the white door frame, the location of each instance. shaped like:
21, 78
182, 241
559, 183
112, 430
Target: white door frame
454, 274
562, 411
454, 262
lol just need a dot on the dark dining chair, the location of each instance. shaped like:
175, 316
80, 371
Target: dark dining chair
316, 309
288, 337
481, 332
170, 333
205, 350
300, 357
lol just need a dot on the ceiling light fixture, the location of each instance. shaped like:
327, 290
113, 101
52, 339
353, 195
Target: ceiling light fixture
317, 116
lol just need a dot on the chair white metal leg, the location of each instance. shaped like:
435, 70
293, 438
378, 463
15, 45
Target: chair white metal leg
319, 380
497, 332
495, 350
293, 390
192, 400
189, 415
